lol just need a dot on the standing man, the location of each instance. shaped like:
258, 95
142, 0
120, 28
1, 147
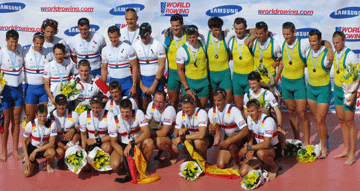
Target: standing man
344, 57
152, 57
192, 67
319, 61
243, 60
218, 57
177, 39
11, 63
87, 45
130, 34
120, 62
161, 117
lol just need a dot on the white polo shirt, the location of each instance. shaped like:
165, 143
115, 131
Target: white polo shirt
39, 135
198, 119
11, 63
157, 118
35, 63
95, 126
59, 72
263, 128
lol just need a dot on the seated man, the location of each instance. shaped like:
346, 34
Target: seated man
161, 116
66, 123
43, 137
230, 120
264, 146
116, 96
191, 125
95, 123
126, 130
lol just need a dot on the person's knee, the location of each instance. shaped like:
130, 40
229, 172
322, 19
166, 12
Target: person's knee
221, 164
50, 153
60, 153
261, 154
243, 171
27, 173
148, 144
115, 164
106, 148
292, 111
320, 120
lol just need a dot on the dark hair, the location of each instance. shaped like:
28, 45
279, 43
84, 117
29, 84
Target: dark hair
314, 32
50, 23
84, 21
187, 98
160, 92
289, 25
240, 20
59, 46
39, 35
12, 34
113, 29
191, 29
126, 104
254, 76
114, 85
84, 63
215, 22
339, 33
220, 91
253, 102
96, 100
41, 109
177, 17
261, 25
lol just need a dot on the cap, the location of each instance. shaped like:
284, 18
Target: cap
145, 28
60, 98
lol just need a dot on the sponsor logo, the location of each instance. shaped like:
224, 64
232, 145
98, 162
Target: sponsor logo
67, 9
167, 120
241, 123
224, 10
345, 13
121, 25
54, 131
286, 12
20, 28
75, 30
274, 101
11, 7
26, 133
268, 131
352, 34
170, 8
357, 52
202, 122
26, 47
120, 10
303, 32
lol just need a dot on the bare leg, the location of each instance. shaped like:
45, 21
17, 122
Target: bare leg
5, 135
239, 103
344, 130
301, 109
350, 124
106, 147
116, 160
145, 103
147, 148
30, 111
174, 98
50, 156
223, 159
165, 144
203, 102
267, 156
16, 131
202, 146
294, 121
228, 96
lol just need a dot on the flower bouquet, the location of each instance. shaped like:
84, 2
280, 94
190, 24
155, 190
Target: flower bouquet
266, 78
292, 146
75, 158
2, 82
350, 81
83, 106
99, 159
70, 89
308, 153
190, 170
252, 180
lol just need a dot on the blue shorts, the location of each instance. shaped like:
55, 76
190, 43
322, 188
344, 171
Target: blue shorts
148, 81
12, 97
96, 72
126, 84
35, 94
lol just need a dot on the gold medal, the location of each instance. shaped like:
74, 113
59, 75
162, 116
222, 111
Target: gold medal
260, 60
338, 72
290, 62
240, 57
41, 144
216, 56
314, 70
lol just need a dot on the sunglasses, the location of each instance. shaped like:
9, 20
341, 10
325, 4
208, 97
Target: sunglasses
50, 21
83, 22
220, 91
191, 30
40, 34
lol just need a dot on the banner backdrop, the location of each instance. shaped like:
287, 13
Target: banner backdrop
327, 16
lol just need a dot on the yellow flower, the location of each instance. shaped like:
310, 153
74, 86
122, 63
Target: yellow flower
80, 109
2, 80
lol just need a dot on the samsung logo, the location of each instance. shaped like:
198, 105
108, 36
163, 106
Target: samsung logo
346, 12
224, 10
352, 34
120, 10
11, 7
75, 30
303, 32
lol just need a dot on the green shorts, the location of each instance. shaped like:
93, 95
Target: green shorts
221, 79
339, 99
200, 87
173, 82
240, 83
320, 94
293, 88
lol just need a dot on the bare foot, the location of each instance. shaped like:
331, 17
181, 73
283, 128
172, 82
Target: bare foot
343, 154
273, 173
17, 155
323, 154
3, 156
349, 161
217, 139
49, 168
173, 158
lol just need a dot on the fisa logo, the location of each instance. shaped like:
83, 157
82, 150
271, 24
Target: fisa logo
170, 8
346, 12
224, 10
120, 10
303, 32
11, 7
352, 34
75, 30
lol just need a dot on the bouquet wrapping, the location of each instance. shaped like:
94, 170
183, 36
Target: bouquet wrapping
99, 159
75, 158
83, 106
308, 153
253, 179
190, 170
350, 82
292, 146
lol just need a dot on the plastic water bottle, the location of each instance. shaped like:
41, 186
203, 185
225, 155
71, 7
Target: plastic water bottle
167, 38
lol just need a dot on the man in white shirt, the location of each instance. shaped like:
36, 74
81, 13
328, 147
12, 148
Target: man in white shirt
161, 117
152, 57
130, 34
87, 45
263, 146
113, 105
11, 63
119, 62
